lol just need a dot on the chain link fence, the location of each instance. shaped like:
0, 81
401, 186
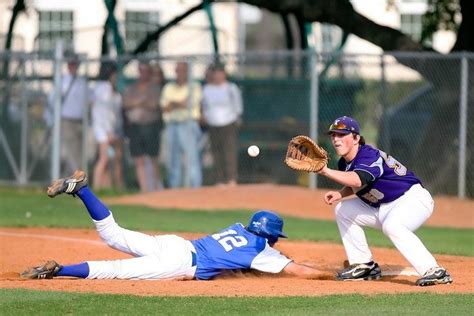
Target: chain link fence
414, 106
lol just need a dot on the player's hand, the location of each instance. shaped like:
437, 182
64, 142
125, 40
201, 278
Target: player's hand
332, 197
323, 171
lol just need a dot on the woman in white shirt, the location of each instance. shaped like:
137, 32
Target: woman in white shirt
107, 123
221, 111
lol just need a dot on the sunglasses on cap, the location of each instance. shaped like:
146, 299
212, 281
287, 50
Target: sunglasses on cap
340, 126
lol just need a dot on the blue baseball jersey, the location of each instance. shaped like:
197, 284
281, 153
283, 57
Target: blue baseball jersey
235, 248
389, 179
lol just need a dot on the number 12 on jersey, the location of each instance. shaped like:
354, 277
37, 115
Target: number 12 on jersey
230, 240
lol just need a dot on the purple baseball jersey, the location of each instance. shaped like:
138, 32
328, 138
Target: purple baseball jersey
389, 179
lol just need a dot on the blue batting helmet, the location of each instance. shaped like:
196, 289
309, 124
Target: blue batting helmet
266, 224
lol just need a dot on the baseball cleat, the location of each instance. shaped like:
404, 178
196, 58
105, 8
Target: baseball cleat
68, 185
433, 276
360, 272
45, 271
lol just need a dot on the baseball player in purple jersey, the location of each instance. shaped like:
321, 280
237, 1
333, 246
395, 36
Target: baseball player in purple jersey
170, 256
389, 197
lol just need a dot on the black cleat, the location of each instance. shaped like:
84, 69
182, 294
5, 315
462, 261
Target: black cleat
46, 271
360, 272
433, 276
68, 185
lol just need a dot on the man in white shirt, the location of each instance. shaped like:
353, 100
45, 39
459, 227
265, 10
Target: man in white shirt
74, 99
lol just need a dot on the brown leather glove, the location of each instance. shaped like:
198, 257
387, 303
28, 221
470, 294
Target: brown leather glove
304, 154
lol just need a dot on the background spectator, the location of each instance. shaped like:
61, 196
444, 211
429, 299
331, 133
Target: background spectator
75, 96
142, 113
181, 114
157, 75
222, 109
108, 128
158, 78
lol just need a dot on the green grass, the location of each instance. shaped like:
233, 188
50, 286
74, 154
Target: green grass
67, 212
443, 240
25, 302
64, 211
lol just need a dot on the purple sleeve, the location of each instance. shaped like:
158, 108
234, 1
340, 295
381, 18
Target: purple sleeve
369, 160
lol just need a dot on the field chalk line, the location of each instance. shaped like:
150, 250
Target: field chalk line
51, 237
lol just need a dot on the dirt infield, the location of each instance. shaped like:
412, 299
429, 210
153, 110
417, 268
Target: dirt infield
23, 247
289, 200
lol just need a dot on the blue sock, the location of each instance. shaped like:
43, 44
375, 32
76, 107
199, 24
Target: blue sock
80, 270
95, 207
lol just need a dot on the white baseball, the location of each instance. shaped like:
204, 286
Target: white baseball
253, 151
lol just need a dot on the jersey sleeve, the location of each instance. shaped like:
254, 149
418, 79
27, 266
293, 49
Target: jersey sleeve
369, 162
270, 260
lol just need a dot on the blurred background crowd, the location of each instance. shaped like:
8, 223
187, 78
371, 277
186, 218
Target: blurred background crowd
151, 94
146, 117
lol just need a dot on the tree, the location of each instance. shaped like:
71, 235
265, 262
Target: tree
16, 10
341, 13
442, 163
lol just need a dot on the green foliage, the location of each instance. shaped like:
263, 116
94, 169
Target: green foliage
31, 208
28, 302
441, 15
374, 99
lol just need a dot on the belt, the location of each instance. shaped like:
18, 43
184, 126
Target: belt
72, 120
194, 259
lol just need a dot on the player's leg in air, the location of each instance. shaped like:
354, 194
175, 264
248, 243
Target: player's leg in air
144, 247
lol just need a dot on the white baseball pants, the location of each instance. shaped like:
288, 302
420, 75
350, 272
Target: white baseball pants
156, 257
398, 220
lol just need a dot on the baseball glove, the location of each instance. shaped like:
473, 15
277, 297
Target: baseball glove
304, 154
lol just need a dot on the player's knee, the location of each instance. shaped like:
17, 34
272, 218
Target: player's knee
114, 242
110, 234
392, 228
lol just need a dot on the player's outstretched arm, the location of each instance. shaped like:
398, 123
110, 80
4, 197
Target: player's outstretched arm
303, 271
346, 178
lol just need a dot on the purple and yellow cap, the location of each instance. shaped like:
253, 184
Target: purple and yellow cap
344, 125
